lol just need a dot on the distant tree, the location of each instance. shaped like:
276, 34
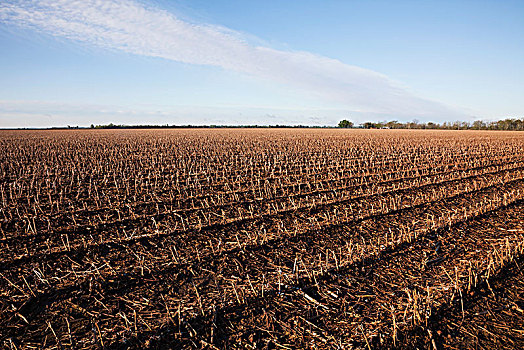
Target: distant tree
345, 124
394, 124
92, 126
414, 124
369, 125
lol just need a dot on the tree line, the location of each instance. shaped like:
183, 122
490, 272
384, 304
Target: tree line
189, 126
512, 124
504, 124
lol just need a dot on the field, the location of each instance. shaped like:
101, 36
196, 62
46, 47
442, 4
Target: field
261, 239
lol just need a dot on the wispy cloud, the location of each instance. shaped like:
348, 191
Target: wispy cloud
28, 113
137, 28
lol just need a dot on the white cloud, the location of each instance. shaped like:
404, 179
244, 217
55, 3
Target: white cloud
140, 29
20, 113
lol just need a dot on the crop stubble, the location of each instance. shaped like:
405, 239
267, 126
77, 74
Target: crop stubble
261, 238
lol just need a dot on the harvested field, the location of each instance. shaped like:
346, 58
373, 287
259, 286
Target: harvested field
261, 239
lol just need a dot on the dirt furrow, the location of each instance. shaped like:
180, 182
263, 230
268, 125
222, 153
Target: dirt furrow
288, 277
65, 242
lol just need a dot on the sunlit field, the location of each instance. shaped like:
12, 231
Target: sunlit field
261, 238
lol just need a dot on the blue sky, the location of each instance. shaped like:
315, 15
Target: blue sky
71, 62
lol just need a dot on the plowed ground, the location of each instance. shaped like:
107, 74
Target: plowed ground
261, 239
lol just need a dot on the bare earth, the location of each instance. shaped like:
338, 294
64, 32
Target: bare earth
261, 239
